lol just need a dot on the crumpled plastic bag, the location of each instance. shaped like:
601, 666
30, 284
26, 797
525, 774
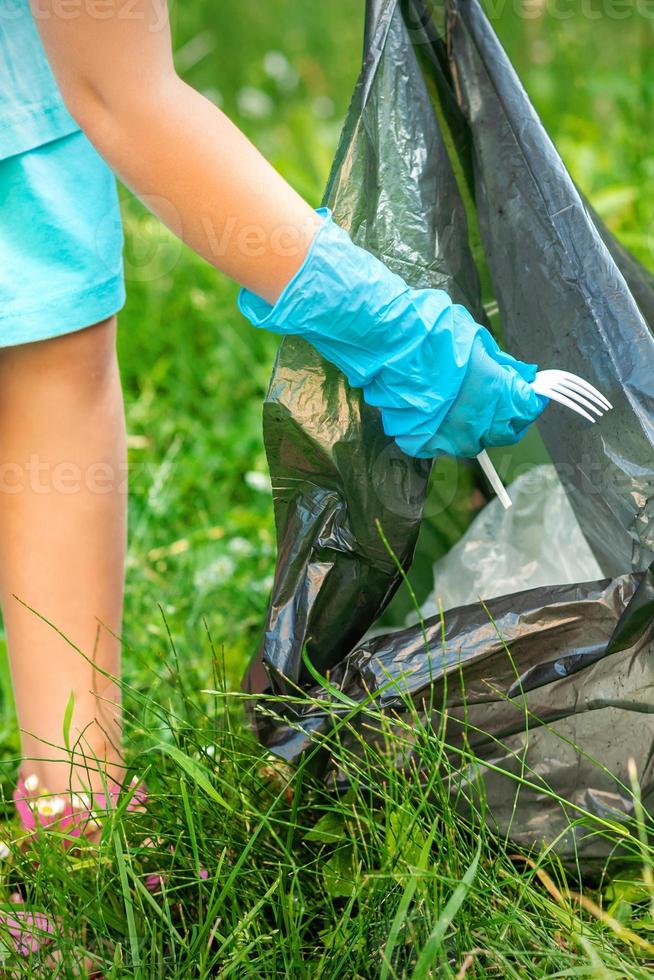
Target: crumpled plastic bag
534, 543
550, 688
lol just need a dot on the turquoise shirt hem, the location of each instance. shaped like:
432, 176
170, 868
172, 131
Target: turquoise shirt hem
62, 314
34, 126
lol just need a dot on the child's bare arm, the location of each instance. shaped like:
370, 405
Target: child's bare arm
174, 148
409, 350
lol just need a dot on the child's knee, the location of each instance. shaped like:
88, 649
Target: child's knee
90, 354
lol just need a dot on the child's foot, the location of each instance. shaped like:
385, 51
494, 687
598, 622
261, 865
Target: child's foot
37, 938
74, 814
30, 932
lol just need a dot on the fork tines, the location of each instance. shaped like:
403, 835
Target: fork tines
573, 392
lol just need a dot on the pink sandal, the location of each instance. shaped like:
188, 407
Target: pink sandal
30, 932
73, 814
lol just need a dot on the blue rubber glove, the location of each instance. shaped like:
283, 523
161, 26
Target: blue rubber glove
439, 379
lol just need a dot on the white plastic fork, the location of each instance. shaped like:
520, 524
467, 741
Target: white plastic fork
566, 389
573, 392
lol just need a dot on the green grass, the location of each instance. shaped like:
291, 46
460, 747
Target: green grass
302, 883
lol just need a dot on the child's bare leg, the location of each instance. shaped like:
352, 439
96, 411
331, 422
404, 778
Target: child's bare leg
62, 544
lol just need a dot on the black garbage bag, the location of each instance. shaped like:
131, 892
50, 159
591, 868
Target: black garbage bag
333, 470
562, 298
529, 685
556, 679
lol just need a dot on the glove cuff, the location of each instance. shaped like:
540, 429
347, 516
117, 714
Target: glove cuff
337, 301
409, 349
279, 318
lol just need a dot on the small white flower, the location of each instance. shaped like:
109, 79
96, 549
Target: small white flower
4, 851
31, 783
214, 95
51, 806
258, 481
199, 299
253, 103
277, 66
263, 585
80, 801
240, 547
218, 571
323, 107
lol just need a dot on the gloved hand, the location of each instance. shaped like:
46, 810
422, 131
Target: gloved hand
439, 379
494, 406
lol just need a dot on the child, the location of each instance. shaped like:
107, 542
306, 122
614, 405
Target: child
439, 380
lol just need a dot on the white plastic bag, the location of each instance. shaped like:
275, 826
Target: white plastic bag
537, 542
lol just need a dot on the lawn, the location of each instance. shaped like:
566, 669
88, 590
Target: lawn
300, 883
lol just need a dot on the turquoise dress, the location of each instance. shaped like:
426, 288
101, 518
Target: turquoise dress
60, 230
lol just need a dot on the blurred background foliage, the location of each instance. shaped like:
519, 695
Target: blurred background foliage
285, 72
202, 539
